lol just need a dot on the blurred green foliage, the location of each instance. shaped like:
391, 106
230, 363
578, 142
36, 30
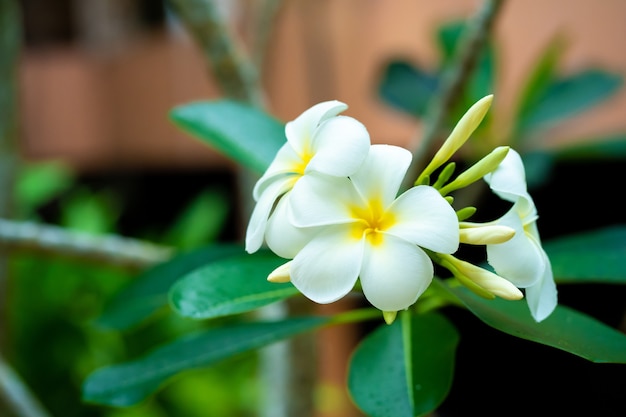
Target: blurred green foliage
54, 338
546, 99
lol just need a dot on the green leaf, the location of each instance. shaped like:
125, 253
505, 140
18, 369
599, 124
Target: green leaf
200, 222
540, 78
131, 382
148, 292
230, 286
568, 97
404, 369
538, 166
590, 257
564, 329
241, 132
408, 88
600, 148
38, 183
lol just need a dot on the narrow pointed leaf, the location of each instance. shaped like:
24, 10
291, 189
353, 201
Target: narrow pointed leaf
568, 97
564, 329
408, 88
230, 286
590, 257
241, 132
404, 369
148, 293
594, 149
541, 76
131, 382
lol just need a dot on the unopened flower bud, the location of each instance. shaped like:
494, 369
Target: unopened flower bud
476, 234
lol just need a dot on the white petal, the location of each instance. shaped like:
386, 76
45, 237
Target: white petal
327, 268
285, 162
382, 172
283, 238
339, 146
261, 212
521, 259
425, 218
318, 200
299, 132
395, 273
508, 181
542, 297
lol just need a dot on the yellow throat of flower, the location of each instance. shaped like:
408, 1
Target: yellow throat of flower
372, 220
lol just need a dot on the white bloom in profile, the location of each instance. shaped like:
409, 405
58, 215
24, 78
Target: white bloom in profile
317, 141
366, 232
522, 259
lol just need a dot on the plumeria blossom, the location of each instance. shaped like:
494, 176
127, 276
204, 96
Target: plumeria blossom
521, 259
365, 231
318, 141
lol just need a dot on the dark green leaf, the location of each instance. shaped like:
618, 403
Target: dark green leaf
243, 133
148, 292
538, 166
601, 148
408, 88
404, 369
448, 37
230, 286
592, 257
129, 383
568, 97
200, 222
564, 329
541, 77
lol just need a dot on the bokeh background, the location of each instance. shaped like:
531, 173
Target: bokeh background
96, 81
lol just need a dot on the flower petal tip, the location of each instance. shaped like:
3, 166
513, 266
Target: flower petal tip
281, 274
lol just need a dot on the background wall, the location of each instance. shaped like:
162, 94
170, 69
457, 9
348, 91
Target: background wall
99, 99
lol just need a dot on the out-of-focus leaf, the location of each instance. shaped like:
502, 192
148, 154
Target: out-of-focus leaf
408, 88
568, 97
131, 382
201, 221
229, 286
538, 166
564, 329
404, 369
90, 212
541, 76
243, 133
148, 293
448, 36
590, 257
601, 148
39, 183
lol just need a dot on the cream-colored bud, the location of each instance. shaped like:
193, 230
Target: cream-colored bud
489, 281
484, 235
281, 274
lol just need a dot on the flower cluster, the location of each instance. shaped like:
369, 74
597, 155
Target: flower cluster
329, 204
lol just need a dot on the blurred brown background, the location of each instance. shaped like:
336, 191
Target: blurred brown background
99, 76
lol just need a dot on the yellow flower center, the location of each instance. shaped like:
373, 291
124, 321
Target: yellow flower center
305, 158
372, 221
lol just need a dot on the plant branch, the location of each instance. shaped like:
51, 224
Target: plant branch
110, 249
230, 66
454, 81
17, 395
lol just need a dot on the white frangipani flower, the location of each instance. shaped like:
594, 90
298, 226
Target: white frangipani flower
317, 141
366, 232
522, 259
